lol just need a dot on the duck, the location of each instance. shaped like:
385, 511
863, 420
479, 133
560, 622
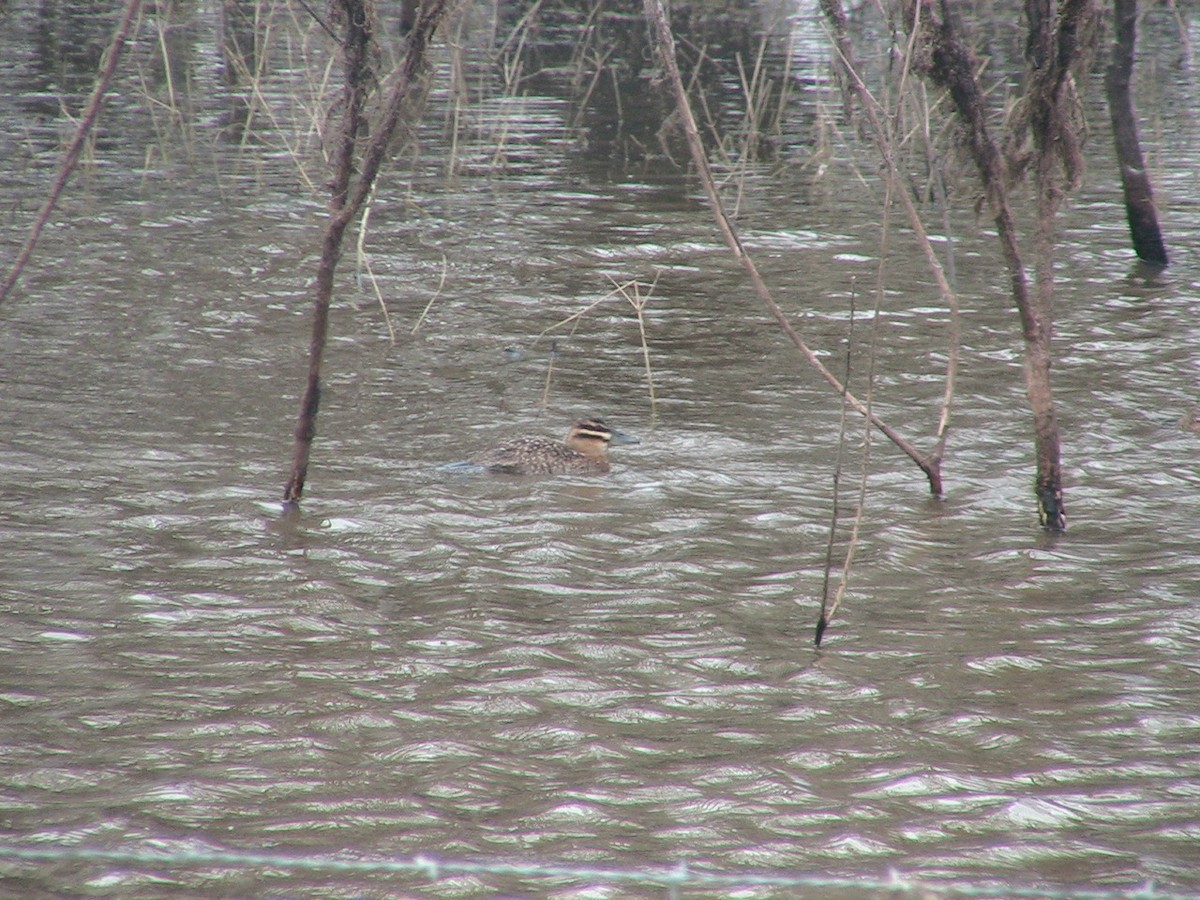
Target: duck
584, 451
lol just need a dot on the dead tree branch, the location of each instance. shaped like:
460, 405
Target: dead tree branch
884, 137
112, 58
347, 195
665, 46
943, 55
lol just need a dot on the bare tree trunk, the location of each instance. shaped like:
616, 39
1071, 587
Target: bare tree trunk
1068, 36
1054, 46
111, 59
1139, 198
346, 195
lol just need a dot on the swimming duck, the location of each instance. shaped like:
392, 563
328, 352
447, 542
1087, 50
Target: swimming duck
584, 451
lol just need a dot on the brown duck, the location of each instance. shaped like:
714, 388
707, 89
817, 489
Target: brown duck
584, 451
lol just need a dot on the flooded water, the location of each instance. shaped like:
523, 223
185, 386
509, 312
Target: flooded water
610, 672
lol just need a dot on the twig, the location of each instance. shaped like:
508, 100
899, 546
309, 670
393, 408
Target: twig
884, 143
111, 59
550, 358
631, 291
638, 302
364, 264
320, 21
839, 459
437, 293
828, 608
576, 317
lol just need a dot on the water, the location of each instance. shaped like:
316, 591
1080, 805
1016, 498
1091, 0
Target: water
614, 671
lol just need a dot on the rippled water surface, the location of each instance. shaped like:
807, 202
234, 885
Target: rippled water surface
611, 671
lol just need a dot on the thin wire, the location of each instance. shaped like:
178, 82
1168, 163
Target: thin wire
680, 875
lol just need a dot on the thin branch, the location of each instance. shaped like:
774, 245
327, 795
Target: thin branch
436, 293
315, 16
657, 15
638, 302
111, 59
347, 196
835, 510
829, 608
884, 140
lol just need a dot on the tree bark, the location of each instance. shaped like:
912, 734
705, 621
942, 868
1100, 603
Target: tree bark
1140, 210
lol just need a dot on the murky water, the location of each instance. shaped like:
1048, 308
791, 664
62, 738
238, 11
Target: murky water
612, 671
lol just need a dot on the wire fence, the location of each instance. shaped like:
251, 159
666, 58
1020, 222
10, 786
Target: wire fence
670, 879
